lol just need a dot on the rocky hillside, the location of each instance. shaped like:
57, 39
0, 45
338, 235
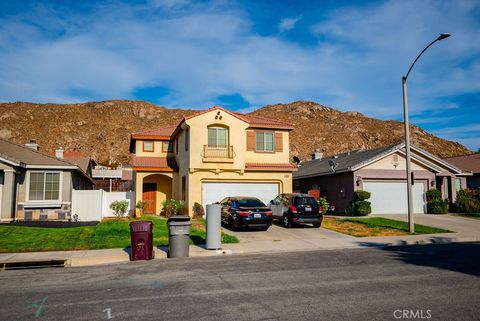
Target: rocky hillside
101, 129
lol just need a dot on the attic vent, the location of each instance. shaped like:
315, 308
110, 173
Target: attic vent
395, 160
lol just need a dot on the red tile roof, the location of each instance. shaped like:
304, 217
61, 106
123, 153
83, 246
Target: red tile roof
161, 133
270, 166
469, 163
253, 121
166, 164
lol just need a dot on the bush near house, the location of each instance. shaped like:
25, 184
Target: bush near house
119, 208
360, 205
172, 207
435, 203
468, 202
322, 201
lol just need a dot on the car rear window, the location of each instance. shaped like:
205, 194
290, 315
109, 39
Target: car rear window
303, 200
249, 203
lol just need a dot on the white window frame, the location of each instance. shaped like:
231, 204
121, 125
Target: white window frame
226, 129
60, 186
264, 144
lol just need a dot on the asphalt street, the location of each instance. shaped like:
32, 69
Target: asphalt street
428, 282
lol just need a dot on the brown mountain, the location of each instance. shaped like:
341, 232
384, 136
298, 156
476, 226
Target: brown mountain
102, 129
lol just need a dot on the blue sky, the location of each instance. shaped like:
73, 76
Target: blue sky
246, 54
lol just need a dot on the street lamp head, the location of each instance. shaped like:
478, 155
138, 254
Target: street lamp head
443, 36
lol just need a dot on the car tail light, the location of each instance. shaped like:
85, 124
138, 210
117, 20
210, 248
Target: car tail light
320, 210
268, 213
293, 209
243, 213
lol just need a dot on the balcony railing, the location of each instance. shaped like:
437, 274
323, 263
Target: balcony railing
218, 152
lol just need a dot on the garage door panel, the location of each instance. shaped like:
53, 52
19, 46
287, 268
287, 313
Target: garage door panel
391, 197
215, 192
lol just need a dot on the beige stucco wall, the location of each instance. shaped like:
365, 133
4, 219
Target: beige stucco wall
388, 163
164, 186
157, 149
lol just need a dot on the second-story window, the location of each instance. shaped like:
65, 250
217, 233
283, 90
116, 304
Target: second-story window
187, 138
167, 147
217, 137
148, 146
264, 141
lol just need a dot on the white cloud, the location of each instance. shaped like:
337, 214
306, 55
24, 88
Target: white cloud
287, 24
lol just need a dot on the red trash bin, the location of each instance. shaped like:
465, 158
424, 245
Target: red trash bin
141, 234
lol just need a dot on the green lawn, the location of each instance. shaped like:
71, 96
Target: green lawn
376, 226
105, 235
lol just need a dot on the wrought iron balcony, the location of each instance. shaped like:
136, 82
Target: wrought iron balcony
218, 152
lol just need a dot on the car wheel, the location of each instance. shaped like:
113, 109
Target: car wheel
286, 221
317, 225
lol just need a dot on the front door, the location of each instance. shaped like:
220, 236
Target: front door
150, 196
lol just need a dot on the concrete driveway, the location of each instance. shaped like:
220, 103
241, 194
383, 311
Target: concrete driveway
277, 238
449, 222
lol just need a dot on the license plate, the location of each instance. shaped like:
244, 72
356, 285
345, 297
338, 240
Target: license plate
257, 215
308, 209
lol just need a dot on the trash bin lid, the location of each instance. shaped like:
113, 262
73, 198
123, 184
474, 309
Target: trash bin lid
141, 226
178, 218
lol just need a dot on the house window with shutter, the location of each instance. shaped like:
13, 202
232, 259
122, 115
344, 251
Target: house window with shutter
264, 141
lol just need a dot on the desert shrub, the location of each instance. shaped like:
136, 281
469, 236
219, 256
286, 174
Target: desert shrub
119, 208
468, 202
362, 208
437, 206
322, 201
171, 207
198, 211
434, 194
361, 195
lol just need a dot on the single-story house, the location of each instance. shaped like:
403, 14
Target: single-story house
35, 185
210, 155
469, 163
381, 171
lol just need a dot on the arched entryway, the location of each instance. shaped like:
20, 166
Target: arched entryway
155, 189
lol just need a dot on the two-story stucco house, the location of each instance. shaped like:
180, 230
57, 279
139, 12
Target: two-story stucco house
210, 155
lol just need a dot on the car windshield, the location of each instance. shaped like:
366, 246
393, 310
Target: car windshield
303, 200
249, 202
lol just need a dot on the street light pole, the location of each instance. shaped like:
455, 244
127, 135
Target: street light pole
411, 226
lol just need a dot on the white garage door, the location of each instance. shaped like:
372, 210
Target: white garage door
215, 192
391, 197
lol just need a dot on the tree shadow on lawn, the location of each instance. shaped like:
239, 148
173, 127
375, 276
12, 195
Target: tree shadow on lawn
458, 257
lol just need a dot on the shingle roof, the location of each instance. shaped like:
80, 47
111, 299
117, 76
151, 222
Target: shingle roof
21, 154
82, 162
345, 161
469, 163
159, 163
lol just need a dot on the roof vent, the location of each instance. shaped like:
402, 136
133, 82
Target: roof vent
33, 145
317, 154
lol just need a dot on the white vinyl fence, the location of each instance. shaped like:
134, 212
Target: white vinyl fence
94, 205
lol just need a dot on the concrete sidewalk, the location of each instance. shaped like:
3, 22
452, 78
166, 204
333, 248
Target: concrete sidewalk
276, 239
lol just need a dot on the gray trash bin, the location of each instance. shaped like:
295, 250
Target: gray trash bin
178, 236
213, 222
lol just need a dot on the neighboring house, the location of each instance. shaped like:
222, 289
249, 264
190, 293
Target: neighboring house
36, 186
469, 163
113, 180
210, 155
380, 171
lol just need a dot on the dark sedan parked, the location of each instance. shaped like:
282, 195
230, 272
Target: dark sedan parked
245, 212
296, 208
